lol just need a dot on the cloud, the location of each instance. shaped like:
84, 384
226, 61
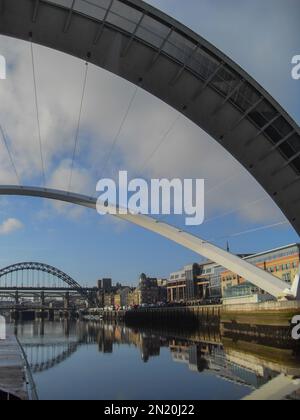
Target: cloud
115, 225
60, 177
10, 226
186, 152
80, 183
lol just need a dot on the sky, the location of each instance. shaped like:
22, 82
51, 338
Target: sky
262, 36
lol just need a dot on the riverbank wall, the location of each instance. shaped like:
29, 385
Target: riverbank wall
187, 316
268, 313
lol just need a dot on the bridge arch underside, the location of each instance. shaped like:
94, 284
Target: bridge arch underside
144, 46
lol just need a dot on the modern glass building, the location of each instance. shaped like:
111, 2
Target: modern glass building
182, 285
281, 262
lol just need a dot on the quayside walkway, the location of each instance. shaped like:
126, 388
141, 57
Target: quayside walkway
13, 383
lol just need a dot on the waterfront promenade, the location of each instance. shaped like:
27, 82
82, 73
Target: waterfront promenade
12, 369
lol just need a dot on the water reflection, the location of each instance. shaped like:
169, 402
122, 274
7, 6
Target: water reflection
254, 361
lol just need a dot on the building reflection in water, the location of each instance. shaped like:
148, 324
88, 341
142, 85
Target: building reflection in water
252, 356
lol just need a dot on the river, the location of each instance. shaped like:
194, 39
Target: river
97, 361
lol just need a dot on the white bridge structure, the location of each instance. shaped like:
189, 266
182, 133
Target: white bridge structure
275, 390
260, 278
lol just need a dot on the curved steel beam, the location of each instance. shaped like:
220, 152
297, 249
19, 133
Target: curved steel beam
150, 49
253, 274
61, 356
35, 266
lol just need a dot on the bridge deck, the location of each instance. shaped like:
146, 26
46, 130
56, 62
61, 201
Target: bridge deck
12, 370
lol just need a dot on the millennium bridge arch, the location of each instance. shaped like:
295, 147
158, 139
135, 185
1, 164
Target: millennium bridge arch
148, 48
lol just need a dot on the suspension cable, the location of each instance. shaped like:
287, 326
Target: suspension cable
224, 182
78, 126
116, 138
230, 212
10, 155
246, 232
159, 145
38, 114
237, 210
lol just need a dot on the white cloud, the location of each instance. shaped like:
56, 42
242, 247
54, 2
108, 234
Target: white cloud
81, 183
10, 225
187, 152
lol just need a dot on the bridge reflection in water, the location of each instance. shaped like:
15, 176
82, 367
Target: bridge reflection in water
251, 357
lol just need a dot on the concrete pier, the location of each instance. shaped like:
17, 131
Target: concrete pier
12, 370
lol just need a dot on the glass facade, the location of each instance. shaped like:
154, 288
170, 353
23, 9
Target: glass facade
282, 263
245, 289
274, 255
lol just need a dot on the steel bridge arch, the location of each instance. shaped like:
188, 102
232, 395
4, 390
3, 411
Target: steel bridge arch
65, 352
35, 266
141, 44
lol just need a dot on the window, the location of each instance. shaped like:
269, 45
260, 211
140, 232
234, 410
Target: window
152, 31
97, 10
123, 16
180, 47
287, 277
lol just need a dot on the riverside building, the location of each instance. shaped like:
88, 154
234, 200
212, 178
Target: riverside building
280, 262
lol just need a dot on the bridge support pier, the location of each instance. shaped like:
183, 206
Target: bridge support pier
51, 314
43, 298
42, 326
42, 315
67, 301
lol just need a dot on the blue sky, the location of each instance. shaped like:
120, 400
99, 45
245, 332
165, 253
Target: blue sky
261, 36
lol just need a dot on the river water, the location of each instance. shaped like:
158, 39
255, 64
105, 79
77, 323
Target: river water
83, 361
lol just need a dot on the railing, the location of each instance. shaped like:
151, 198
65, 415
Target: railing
31, 387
